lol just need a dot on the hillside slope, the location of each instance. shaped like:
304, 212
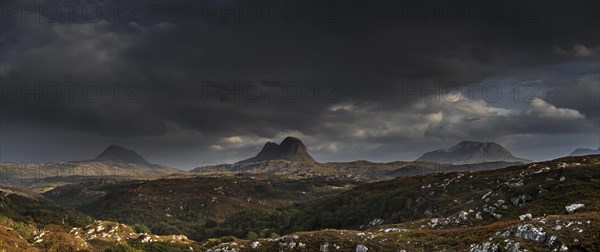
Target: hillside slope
190, 206
539, 188
547, 206
28, 222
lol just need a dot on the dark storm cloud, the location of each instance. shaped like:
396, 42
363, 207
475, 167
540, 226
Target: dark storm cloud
580, 94
175, 53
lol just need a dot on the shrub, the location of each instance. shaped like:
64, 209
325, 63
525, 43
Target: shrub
210, 223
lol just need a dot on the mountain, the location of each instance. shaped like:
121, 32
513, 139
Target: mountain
290, 149
118, 154
584, 151
469, 152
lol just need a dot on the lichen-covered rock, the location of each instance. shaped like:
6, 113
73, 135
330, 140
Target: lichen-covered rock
484, 247
573, 207
530, 232
361, 248
525, 217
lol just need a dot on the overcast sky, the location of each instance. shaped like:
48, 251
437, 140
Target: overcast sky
189, 82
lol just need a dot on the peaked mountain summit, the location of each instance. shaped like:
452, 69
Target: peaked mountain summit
290, 149
115, 153
584, 151
470, 152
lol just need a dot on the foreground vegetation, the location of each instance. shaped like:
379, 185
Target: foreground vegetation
200, 207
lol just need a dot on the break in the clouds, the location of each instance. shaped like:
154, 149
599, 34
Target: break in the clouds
365, 80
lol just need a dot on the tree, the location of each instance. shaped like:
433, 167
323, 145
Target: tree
141, 228
251, 236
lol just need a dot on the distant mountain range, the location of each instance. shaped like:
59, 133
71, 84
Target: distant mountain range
291, 158
584, 151
290, 149
113, 162
470, 152
465, 152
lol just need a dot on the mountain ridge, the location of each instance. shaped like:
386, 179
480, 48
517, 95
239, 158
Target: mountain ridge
471, 152
584, 151
118, 154
290, 149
